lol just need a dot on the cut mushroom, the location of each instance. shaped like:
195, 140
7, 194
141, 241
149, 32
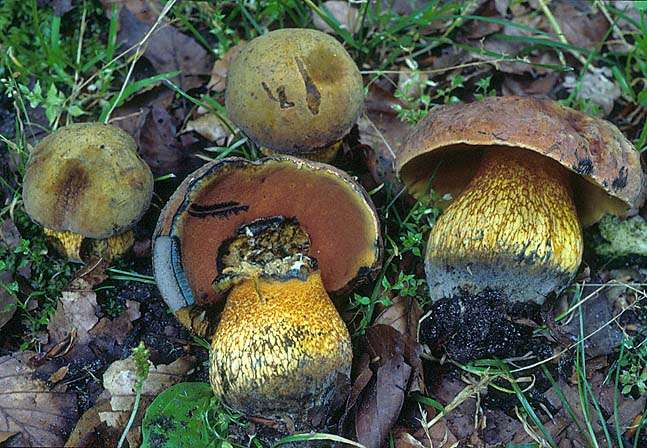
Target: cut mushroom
86, 184
526, 175
296, 92
269, 240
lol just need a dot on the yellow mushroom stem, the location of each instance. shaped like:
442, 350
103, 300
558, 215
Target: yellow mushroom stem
514, 228
78, 248
325, 155
280, 349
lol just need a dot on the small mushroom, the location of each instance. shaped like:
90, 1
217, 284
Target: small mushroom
269, 241
526, 175
87, 186
296, 92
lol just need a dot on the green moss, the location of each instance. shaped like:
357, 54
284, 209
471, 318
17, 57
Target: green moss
620, 238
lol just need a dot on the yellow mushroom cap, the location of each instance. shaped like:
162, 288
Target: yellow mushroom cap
294, 91
87, 178
607, 175
280, 349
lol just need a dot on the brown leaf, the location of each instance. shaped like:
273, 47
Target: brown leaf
345, 14
392, 362
130, 117
582, 26
158, 144
382, 130
145, 10
91, 432
110, 332
403, 315
210, 126
76, 314
27, 406
218, 81
167, 50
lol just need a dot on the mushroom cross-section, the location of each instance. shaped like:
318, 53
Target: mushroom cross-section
86, 184
526, 175
296, 92
269, 240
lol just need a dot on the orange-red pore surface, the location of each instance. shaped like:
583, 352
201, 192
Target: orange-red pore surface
221, 197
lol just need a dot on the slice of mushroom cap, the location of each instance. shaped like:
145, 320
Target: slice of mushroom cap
217, 199
607, 175
294, 91
87, 178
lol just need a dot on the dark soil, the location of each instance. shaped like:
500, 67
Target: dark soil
483, 326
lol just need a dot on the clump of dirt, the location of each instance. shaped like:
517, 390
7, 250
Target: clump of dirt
469, 327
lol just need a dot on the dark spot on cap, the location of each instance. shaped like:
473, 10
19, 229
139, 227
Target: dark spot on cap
584, 166
70, 190
620, 181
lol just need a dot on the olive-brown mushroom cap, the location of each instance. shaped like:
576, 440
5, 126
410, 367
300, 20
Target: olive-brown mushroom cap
294, 91
446, 145
87, 178
216, 200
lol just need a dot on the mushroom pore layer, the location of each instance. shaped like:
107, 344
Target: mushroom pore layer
514, 228
280, 348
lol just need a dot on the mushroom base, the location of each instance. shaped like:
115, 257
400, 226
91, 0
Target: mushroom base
282, 352
76, 247
324, 154
514, 229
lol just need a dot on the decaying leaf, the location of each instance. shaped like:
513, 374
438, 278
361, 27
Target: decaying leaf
218, 81
596, 85
159, 146
167, 49
38, 415
119, 381
145, 10
342, 11
8, 301
210, 126
388, 363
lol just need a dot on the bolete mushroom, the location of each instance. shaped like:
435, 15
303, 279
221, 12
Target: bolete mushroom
87, 186
296, 92
269, 240
526, 175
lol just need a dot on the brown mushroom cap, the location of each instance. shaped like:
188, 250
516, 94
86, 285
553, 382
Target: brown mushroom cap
216, 200
87, 178
294, 91
447, 144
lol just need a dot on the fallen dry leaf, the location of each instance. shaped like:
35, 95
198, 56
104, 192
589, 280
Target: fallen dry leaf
218, 81
91, 432
145, 10
75, 316
119, 381
167, 49
596, 86
39, 416
342, 11
160, 148
211, 127
386, 370
582, 25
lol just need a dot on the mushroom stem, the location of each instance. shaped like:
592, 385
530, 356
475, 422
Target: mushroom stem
325, 154
280, 350
78, 248
514, 228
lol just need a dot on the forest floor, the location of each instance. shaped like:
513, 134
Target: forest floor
572, 373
